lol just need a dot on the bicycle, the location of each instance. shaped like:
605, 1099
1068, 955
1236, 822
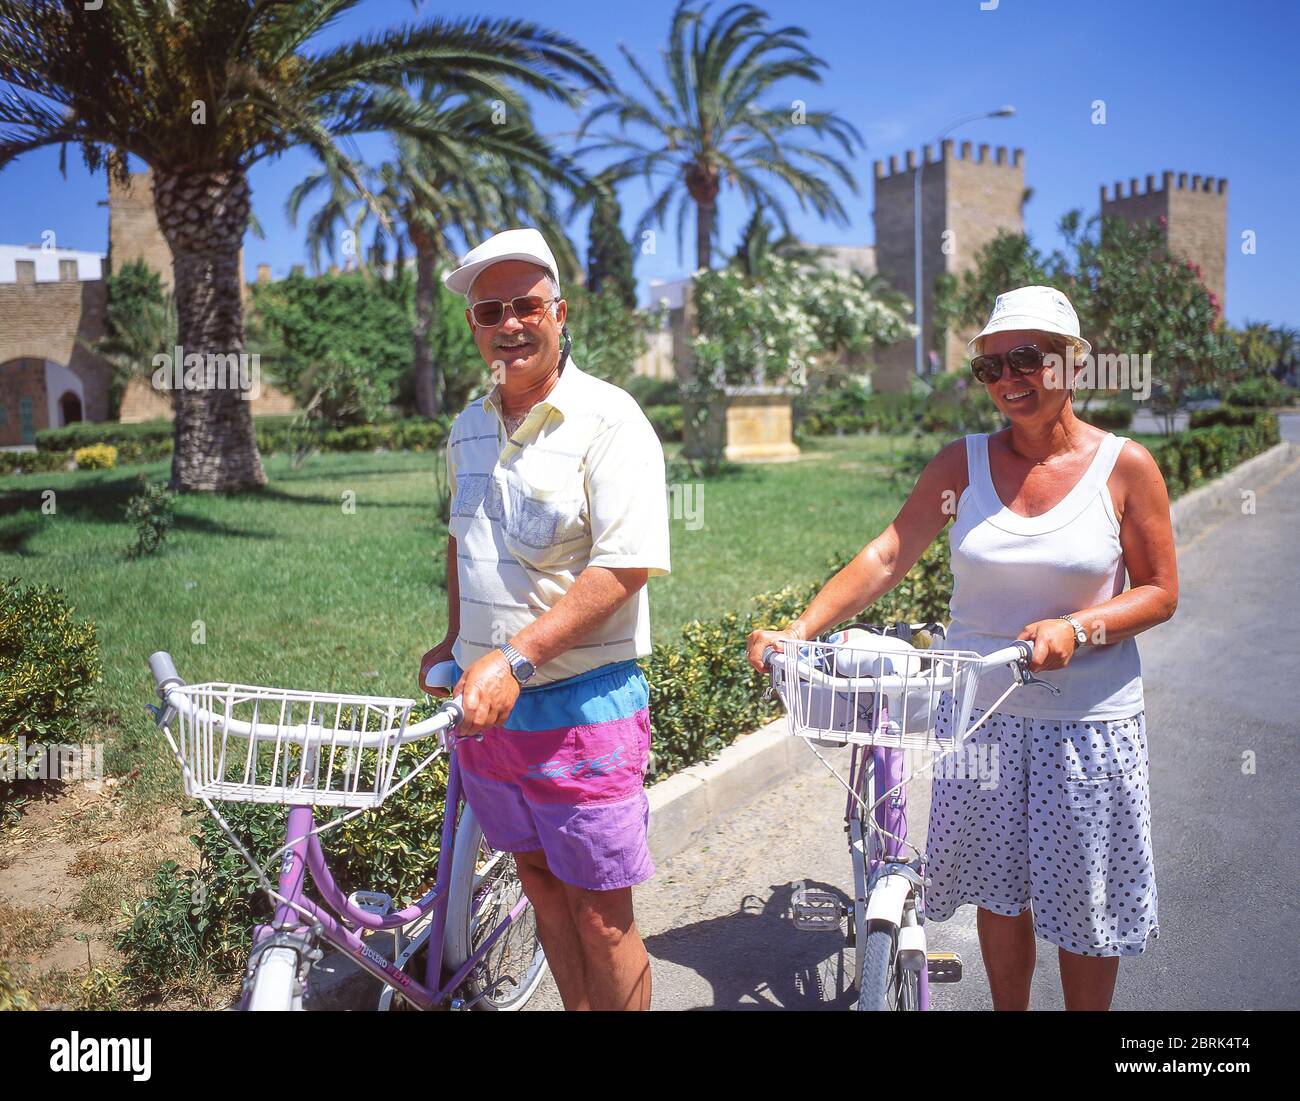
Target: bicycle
870, 689
304, 750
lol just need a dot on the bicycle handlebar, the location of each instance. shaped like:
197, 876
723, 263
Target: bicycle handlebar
167, 681
1017, 653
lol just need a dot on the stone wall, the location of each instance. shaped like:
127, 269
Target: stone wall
56, 322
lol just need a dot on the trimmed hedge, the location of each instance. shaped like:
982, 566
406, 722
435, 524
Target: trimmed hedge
33, 462
149, 441
1261, 393
1202, 453
851, 411
1113, 417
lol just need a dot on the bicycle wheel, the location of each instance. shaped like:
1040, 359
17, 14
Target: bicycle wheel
886, 987
274, 986
484, 888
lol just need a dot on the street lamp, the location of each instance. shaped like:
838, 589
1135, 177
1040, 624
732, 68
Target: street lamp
1000, 113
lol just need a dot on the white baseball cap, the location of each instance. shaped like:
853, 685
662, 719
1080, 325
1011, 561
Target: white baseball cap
1044, 309
510, 244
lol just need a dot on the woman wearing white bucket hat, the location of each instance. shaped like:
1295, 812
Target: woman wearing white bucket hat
1049, 516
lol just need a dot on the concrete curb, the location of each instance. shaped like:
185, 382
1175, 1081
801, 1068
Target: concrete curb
684, 805
1220, 498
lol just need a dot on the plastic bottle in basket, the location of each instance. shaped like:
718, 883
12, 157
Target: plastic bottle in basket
879, 656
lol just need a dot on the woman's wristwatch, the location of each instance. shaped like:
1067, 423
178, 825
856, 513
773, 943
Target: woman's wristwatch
1080, 635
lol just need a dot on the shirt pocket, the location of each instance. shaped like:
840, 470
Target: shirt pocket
476, 494
543, 522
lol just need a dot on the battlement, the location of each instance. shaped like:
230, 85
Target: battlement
1001, 156
1169, 181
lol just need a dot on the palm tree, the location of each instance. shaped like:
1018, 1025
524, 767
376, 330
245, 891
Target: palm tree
758, 243
477, 177
707, 129
200, 90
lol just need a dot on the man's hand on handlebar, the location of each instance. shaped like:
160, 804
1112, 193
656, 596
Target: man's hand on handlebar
761, 641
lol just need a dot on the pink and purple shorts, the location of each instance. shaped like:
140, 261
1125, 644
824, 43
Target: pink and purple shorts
566, 775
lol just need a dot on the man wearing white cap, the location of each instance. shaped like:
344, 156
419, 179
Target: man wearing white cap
1051, 517
558, 517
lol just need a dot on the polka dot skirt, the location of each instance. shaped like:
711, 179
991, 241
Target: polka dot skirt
1056, 817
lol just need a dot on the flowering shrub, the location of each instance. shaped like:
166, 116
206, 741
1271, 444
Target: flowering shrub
786, 321
99, 456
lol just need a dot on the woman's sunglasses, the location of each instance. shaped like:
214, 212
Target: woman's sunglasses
528, 308
1024, 360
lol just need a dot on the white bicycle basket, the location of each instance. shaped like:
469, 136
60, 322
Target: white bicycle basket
244, 744
874, 690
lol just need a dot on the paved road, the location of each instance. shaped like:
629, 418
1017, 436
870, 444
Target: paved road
1221, 682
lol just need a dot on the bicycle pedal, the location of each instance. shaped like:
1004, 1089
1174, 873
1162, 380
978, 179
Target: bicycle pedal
815, 911
372, 902
943, 966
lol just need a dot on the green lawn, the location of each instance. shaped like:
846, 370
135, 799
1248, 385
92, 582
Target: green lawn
292, 590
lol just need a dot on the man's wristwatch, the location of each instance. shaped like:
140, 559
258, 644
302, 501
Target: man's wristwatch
520, 666
1080, 635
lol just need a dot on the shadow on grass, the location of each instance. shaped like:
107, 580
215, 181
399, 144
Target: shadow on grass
103, 502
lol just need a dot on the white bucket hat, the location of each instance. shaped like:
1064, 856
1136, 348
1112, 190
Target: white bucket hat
1044, 309
510, 244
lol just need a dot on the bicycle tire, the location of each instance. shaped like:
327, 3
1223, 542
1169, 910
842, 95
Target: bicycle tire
274, 985
885, 986
877, 965
473, 911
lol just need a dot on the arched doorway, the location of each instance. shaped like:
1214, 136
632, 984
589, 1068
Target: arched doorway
69, 409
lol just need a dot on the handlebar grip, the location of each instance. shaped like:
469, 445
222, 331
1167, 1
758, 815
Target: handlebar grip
164, 671
1020, 650
767, 657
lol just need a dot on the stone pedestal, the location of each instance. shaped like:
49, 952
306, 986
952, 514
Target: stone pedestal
743, 423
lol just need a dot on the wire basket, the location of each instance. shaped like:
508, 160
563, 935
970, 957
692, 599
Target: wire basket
243, 744
860, 693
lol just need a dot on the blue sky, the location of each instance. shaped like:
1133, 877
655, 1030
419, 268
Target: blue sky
1197, 86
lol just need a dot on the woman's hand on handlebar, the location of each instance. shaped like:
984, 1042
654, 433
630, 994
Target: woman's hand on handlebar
1053, 642
761, 641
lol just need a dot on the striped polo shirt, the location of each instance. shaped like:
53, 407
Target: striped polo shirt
581, 483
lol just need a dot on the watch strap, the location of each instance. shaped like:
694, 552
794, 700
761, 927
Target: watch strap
1080, 635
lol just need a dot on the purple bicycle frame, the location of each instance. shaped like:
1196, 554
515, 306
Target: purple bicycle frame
306, 857
891, 816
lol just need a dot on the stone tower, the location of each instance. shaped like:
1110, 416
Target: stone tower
966, 200
1195, 225
133, 232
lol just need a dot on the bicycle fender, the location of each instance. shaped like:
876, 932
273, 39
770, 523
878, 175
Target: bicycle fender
887, 899
911, 947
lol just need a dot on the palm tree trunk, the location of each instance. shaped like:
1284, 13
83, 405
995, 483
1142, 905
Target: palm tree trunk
428, 381
706, 214
203, 216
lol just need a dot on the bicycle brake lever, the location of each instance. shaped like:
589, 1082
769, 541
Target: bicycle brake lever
1024, 676
161, 715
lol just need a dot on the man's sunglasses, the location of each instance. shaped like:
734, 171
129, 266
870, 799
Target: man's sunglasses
527, 307
1024, 360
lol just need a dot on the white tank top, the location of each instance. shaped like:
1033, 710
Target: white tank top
1011, 570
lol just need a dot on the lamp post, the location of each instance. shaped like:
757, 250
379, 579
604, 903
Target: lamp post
918, 263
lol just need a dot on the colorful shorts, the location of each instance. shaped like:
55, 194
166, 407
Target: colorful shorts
566, 775
1057, 818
